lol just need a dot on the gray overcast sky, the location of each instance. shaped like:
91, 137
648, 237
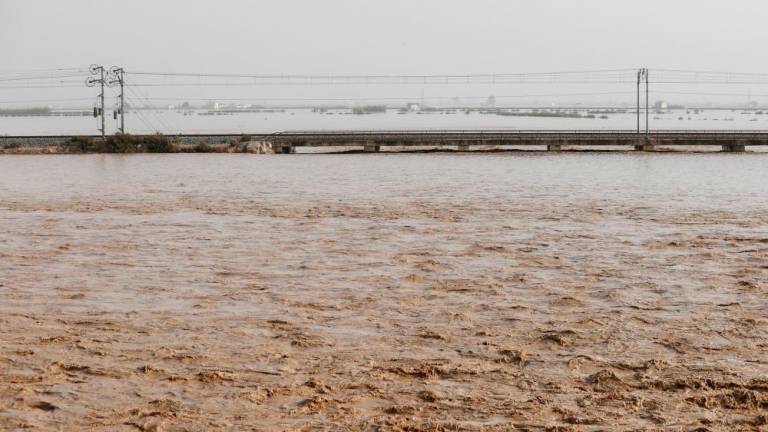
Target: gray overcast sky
392, 36
383, 37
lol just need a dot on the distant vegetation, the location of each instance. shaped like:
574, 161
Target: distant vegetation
203, 148
122, 143
556, 114
158, 143
19, 112
369, 109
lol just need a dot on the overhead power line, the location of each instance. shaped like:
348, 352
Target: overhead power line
702, 72
578, 77
378, 76
401, 98
40, 77
44, 100
349, 82
43, 86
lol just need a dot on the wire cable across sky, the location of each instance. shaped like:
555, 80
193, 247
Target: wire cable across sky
612, 86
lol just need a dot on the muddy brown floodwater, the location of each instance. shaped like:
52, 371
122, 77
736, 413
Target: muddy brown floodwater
488, 292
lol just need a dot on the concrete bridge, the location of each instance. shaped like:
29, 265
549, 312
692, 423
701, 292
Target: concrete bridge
463, 140
554, 140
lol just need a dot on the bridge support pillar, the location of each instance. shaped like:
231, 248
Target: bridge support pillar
646, 146
734, 148
371, 148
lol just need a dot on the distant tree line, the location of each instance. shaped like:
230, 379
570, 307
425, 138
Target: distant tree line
369, 109
12, 112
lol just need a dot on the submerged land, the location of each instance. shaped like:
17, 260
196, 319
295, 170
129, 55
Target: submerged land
423, 293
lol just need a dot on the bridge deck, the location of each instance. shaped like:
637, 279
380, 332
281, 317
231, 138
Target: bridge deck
518, 137
732, 140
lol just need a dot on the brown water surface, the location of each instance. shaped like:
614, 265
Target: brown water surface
568, 292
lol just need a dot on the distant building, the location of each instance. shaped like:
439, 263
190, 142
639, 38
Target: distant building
413, 107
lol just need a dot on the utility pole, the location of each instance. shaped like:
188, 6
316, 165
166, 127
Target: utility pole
647, 93
639, 75
642, 76
117, 77
90, 82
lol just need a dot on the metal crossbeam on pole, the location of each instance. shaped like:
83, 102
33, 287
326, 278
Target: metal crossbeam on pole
117, 76
98, 70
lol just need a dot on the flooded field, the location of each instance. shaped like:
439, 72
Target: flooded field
172, 122
391, 292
